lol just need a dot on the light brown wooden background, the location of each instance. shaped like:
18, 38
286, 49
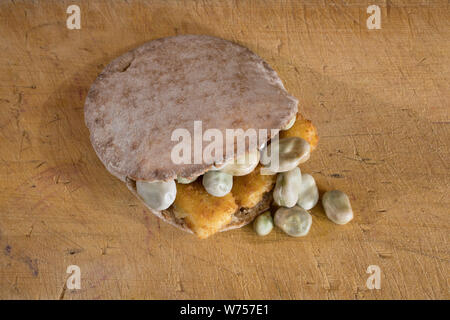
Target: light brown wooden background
379, 98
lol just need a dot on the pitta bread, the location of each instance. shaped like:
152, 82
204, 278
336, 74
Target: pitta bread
141, 97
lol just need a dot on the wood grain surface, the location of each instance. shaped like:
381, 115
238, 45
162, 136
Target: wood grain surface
380, 100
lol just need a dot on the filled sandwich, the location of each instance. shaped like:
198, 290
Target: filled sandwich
160, 118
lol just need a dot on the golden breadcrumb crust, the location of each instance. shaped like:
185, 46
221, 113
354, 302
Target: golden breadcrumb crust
204, 214
248, 190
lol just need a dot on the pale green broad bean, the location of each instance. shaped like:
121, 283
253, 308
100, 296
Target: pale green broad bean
287, 188
308, 195
285, 154
289, 124
294, 221
185, 180
242, 165
337, 206
157, 195
263, 224
217, 183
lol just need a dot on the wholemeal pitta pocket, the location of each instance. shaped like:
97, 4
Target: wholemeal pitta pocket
140, 98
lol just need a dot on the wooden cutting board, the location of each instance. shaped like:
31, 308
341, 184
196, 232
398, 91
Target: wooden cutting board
380, 100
